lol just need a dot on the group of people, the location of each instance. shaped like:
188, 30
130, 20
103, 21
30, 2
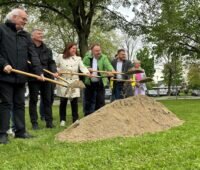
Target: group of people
25, 52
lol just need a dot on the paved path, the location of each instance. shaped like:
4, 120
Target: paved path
178, 97
56, 101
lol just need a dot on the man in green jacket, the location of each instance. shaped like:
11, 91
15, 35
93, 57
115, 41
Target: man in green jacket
95, 87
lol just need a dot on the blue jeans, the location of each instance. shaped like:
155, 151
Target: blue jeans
94, 97
118, 90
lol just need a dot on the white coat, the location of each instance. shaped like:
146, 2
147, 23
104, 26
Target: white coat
71, 64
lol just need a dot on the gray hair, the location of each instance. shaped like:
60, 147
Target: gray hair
14, 12
37, 29
137, 61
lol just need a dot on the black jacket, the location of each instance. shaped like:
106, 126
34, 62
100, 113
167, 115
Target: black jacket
46, 59
125, 67
127, 89
16, 47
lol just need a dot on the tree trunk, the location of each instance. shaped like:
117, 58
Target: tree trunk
169, 83
83, 43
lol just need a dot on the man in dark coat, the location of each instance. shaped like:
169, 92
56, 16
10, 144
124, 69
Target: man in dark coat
120, 88
16, 47
45, 88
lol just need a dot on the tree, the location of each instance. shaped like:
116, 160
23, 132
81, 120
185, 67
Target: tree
171, 24
130, 43
78, 13
147, 61
172, 72
108, 40
57, 32
194, 76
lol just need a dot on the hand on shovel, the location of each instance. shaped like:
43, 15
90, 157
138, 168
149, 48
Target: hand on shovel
7, 69
90, 70
56, 75
111, 74
41, 78
89, 75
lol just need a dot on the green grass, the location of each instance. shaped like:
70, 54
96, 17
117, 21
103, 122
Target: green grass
177, 148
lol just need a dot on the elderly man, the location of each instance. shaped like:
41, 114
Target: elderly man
95, 87
16, 48
45, 88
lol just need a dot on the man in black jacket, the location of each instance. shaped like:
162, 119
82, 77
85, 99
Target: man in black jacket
16, 48
121, 64
45, 88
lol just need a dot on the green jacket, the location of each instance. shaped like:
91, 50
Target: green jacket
103, 65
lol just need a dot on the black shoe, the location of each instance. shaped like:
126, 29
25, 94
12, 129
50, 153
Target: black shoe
24, 136
42, 118
35, 127
50, 125
4, 139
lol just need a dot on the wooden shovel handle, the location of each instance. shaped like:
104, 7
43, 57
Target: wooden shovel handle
36, 76
59, 77
80, 74
101, 71
145, 80
122, 80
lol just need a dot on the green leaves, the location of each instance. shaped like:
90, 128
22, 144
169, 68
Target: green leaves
194, 76
177, 28
147, 61
173, 72
108, 40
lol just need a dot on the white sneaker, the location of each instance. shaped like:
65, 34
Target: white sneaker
77, 122
10, 132
62, 123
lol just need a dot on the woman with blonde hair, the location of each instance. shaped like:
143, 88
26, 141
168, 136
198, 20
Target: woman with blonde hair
140, 88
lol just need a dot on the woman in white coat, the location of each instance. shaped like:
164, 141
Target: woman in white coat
69, 61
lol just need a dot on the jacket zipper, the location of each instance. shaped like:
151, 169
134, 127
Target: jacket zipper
16, 55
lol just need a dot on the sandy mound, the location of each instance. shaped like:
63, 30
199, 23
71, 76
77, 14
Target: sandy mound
127, 117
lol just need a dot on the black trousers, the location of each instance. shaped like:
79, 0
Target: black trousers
12, 98
63, 108
45, 91
41, 101
94, 97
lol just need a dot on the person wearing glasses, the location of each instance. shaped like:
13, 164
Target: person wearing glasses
16, 47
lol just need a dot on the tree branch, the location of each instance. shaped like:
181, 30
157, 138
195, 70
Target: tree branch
89, 16
40, 5
118, 16
76, 15
195, 49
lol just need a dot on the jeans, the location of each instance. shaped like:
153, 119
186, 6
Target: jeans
118, 90
94, 97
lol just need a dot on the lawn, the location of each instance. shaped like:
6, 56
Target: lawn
178, 148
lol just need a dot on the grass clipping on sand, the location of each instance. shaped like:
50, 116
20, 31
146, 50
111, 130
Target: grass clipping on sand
122, 118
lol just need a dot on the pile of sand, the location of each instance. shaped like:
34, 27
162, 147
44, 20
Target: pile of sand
127, 117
